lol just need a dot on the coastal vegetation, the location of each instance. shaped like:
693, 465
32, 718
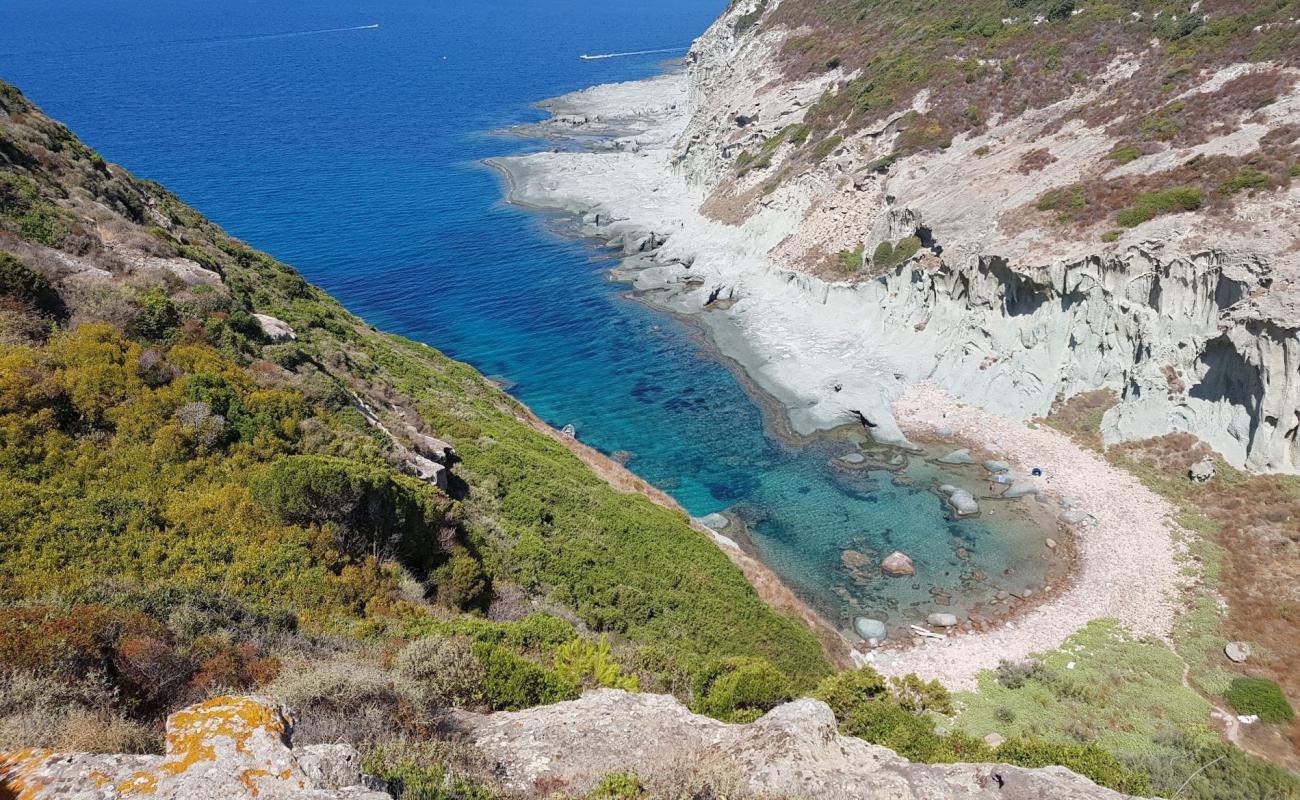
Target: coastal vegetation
194, 506
995, 59
1234, 524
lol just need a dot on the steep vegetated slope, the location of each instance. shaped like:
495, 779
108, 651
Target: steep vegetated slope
197, 496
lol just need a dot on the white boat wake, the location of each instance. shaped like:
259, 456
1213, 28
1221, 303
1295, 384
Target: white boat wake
206, 40
585, 57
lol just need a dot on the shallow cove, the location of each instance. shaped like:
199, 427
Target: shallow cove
686, 418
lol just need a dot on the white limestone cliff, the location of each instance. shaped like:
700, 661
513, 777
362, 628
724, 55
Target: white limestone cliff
1191, 318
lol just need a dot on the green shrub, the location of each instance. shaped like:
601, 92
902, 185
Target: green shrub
827, 146
1015, 674
590, 663
1259, 696
1244, 180
462, 582
1111, 236
883, 254
618, 786
849, 261
24, 284
886, 723
845, 691
740, 689
905, 249
1208, 769
797, 134
1089, 760
1152, 204
427, 770
374, 511
1294, 171
157, 317
1125, 154
513, 682
32, 216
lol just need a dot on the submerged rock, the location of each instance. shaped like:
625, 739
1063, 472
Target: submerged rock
961, 456
897, 563
997, 466
715, 521
870, 629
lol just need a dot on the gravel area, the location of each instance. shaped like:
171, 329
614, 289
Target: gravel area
1126, 561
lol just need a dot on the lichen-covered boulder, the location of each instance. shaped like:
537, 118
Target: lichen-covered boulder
796, 750
227, 748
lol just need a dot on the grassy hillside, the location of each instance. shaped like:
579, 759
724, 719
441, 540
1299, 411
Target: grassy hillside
987, 60
188, 506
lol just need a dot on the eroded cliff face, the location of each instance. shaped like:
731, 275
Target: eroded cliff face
1189, 317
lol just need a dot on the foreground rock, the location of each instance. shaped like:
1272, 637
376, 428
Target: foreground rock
227, 748
793, 751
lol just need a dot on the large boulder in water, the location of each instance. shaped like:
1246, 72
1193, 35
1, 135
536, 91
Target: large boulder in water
873, 630
997, 466
897, 563
963, 503
961, 456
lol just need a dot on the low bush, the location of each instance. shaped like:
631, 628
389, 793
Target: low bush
1015, 674
157, 317
590, 663
891, 255
513, 682
445, 670
849, 261
1125, 154
374, 511
1261, 697
1152, 204
618, 786
24, 284
740, 689
1245, 180
431, 770
827, 146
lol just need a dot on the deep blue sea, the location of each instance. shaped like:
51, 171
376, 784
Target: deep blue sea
352, 153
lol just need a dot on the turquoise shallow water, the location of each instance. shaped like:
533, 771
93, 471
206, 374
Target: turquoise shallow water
353, 155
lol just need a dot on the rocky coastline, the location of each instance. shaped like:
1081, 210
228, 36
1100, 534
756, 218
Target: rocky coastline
783, 334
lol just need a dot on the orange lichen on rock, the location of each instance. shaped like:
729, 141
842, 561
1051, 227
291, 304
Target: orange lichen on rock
226, 748
19, 778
